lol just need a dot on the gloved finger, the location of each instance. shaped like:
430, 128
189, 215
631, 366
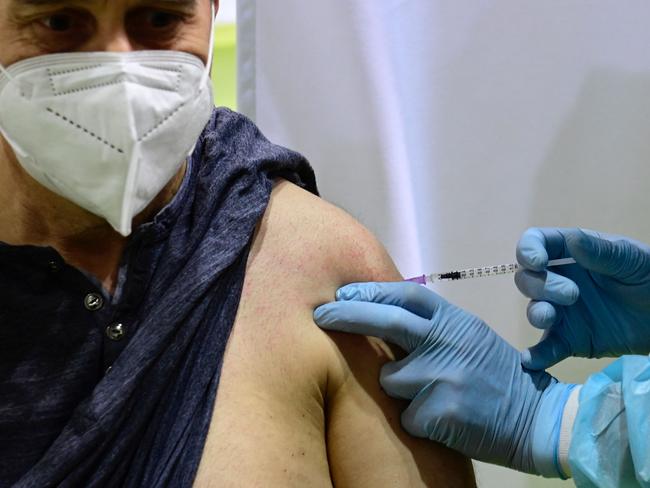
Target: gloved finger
410, 296
547, 286
621, 258
546, 353
537, 245
393, 324
416, 419
389, 382
541, 314
405, 378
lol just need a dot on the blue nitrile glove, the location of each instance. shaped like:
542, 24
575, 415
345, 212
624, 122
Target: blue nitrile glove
467, 386
598, 307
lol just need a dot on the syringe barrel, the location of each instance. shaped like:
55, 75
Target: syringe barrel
499, 269
480, 272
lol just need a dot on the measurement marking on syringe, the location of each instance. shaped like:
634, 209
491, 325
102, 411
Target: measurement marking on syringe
481, 272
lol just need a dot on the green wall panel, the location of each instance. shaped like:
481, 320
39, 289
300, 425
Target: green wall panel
224, 68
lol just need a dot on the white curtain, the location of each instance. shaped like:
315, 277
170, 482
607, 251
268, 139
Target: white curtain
448, 127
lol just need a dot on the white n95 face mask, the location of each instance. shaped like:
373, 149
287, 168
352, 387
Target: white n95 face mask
105, 130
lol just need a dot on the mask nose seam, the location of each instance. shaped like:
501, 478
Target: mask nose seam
73, 70
178, 69
51, 74
116, 82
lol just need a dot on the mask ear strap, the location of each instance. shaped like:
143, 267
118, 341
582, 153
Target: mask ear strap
26, 89
208, 68
4, 71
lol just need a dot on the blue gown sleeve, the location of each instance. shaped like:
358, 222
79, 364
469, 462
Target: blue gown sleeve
610, 440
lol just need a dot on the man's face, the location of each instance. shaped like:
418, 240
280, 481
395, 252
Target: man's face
31, 28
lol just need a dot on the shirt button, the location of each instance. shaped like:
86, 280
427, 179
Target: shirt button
108, 370
54, 266
93, 302
115, 332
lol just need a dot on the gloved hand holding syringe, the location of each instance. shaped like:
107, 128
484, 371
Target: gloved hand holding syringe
481, 272
472, 391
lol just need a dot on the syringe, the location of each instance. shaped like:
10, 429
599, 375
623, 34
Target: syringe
482, 272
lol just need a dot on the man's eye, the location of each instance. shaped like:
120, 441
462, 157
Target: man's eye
64, 25
58, 22
162, 20
150, 21
155, 28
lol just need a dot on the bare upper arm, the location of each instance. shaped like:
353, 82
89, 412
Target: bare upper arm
365, 442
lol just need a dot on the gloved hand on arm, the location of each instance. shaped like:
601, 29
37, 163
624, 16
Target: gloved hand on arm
467, 387
596, 308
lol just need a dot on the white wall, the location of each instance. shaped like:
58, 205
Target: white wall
227, 12
449, 127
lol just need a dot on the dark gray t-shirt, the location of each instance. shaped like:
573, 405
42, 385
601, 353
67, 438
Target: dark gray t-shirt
99, 390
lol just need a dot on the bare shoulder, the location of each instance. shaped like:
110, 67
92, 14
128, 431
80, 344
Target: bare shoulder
322, 248
322, 243
299, 407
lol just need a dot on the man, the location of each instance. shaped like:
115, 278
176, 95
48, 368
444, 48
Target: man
128, 267
503, 408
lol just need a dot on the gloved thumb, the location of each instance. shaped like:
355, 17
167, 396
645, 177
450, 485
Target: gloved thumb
617, 258
546, 353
